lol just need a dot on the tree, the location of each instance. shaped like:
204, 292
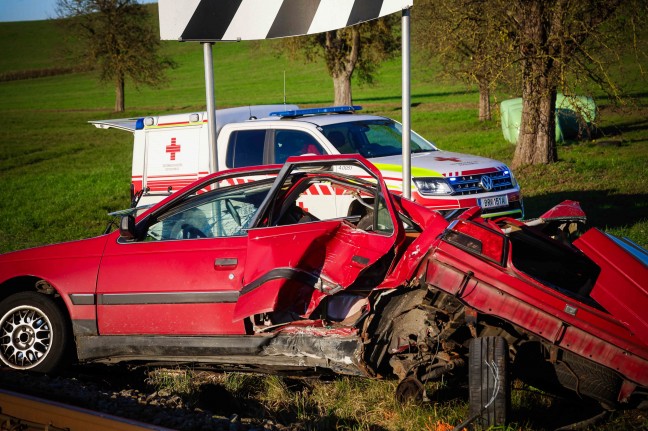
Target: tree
550, 45
550, 36
464, 36
118, 39
361, 47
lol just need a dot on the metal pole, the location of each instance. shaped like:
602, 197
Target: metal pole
211, 105
407, 162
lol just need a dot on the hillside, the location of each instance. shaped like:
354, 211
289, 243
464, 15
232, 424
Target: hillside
65, 175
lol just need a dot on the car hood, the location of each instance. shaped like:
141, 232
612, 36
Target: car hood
440, 164
67, 250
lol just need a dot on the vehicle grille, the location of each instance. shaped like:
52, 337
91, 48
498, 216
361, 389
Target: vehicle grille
470, 184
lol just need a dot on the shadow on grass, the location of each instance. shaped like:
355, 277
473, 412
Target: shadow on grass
604, 208
393, 98
560, 412
619, 129
607, 101
535, 410
397, 97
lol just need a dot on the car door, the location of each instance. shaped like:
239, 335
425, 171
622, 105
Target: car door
185, 275
300, 258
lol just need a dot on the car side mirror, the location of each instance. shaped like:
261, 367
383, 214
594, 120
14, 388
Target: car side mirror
127, 227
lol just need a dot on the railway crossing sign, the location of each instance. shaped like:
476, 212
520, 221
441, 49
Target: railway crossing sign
233, 20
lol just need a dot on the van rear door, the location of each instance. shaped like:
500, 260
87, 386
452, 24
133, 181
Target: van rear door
171, 159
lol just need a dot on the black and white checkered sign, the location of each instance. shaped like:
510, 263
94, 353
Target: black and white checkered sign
213, 20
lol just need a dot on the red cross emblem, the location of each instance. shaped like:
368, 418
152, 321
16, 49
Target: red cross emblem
447, 159
173, 148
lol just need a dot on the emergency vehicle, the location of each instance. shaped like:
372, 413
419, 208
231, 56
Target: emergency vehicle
171, 151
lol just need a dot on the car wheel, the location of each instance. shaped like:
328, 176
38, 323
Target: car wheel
588, 378
489, 389
33, 333
410, 389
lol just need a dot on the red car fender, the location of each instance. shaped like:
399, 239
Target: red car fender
53, 263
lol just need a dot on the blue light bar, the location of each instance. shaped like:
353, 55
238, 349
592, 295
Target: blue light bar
316, 111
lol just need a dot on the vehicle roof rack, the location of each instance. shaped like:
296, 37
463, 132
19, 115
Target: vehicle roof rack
316, 111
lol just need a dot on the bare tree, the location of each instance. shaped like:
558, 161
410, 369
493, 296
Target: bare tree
359, 48
118, 38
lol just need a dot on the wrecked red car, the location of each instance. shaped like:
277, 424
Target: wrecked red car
236, 272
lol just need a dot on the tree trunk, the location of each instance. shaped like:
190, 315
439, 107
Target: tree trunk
536, 142
342, 89
484, 103
341, 60
120, 101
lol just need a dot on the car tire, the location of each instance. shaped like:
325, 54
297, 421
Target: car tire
488, 381
588, 378
34, 334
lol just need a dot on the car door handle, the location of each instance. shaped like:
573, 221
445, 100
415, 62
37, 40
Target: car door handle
225, 263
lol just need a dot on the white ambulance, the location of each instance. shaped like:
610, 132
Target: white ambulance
172, 151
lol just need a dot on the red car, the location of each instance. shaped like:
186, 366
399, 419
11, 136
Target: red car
235, 271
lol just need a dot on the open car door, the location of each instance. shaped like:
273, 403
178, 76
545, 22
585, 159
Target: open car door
305, 246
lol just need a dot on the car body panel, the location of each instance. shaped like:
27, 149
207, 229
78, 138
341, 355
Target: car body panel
170, 287
563, 320
308, 260
619, 288
439, 163
70, 267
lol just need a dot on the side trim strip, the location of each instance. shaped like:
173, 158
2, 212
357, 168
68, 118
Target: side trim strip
285, 273
167, 298
82, 298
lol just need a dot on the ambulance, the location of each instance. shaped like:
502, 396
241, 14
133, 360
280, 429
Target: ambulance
171, 151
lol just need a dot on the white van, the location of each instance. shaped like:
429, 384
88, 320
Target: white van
171, 151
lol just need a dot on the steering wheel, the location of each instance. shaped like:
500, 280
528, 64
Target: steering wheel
232, 211
191, 232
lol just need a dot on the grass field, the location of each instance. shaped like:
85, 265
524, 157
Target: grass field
60, 176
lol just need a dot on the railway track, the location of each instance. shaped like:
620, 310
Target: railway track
122, 395
29, 413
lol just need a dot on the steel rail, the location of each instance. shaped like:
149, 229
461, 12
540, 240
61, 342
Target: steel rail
29, 413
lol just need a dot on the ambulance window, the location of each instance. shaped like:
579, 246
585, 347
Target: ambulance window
294, 143
245, 148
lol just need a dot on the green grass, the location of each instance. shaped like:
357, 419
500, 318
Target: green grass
361, 404
60, 176
30, 45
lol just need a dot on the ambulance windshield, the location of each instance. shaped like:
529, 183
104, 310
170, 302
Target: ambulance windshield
373, 138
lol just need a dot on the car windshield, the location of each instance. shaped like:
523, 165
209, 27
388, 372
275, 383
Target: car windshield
373, 138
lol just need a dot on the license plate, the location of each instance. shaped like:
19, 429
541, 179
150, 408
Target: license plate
494, 202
